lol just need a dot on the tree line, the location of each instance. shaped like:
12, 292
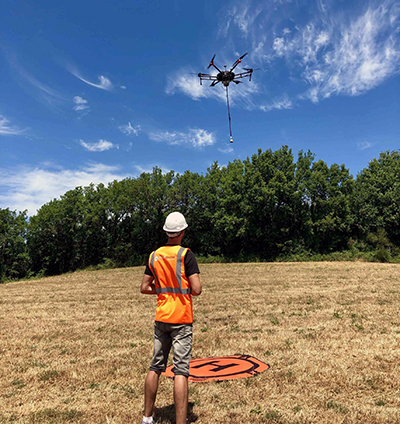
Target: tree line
266, 207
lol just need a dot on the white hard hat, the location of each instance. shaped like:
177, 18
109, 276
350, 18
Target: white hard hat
175, 223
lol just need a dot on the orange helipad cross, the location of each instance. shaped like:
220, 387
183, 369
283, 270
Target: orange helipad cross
222, 368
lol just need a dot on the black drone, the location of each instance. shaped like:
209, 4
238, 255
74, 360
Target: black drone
226, 77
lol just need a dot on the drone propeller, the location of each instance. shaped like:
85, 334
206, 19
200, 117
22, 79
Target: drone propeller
211, 62
238, 61
237, 82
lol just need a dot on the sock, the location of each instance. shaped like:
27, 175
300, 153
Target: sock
147, 420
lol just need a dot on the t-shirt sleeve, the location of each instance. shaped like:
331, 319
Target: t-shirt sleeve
191, 266
147, 271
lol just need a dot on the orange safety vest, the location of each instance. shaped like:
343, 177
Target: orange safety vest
172, 286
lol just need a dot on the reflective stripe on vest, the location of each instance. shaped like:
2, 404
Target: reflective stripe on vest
174, 290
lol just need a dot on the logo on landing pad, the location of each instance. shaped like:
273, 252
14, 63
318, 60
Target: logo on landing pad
222, 368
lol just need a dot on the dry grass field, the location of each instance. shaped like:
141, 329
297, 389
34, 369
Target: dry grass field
76, 348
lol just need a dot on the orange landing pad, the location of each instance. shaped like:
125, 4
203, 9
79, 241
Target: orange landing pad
222, 368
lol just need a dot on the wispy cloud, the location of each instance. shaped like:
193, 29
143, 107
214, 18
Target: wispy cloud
6, 129
279, 104
195, 137
228, 149
104, 83
363, 145
129, 130
31, 187
182, 82
100, 146
327, 52
52, 96
81, 105
363, 55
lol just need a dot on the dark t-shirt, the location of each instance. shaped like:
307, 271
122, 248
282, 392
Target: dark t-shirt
190, 263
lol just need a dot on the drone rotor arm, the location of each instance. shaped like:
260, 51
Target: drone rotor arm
207, 77
216, 67
211, 62
238, 61
244, 74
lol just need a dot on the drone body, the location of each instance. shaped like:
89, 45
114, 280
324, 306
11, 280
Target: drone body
226, 77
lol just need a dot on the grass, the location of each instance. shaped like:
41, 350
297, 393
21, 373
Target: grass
76, 348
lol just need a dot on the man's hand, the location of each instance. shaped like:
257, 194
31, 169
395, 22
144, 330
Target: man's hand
148, 286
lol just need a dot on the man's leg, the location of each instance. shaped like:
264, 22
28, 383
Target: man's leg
162, 346
181, 396
182, 345
150, 392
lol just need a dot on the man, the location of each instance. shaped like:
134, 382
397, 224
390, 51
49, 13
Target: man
173, 274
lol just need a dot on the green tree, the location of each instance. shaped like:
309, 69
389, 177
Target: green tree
275, 202
326, 193
14, 258
376, 200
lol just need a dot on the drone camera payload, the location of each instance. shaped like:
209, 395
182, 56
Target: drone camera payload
226, 77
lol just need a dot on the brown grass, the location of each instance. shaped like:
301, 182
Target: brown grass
76, 348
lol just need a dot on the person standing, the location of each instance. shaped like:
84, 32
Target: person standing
172, 274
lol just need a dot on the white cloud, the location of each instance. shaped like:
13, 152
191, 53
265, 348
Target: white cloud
81, 104
104, 82
195, 137
363, 145
279, 104
244, 16
228, 149
129, 130
100, 146
50, 95
6, 129
363, 56
333, 53
189, 85
29, 188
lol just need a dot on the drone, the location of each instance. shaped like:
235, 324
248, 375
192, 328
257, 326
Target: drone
226, 77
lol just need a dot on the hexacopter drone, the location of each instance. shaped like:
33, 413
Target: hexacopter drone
226, 77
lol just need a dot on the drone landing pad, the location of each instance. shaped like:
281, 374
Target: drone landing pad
222, 368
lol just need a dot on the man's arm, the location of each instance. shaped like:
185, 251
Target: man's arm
195, 284
148, 286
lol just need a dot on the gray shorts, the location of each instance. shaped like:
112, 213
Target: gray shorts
177, 336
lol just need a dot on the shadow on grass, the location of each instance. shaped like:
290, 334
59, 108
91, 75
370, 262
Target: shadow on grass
166, 414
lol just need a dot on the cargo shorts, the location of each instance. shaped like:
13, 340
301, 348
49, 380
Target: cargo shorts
177, 336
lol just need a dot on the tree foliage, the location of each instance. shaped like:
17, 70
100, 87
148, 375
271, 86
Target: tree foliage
376, 199
14, 258
264, 207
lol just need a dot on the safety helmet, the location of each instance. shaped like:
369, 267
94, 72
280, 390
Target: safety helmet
175, 223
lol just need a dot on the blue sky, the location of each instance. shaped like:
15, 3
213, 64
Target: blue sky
94, 91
